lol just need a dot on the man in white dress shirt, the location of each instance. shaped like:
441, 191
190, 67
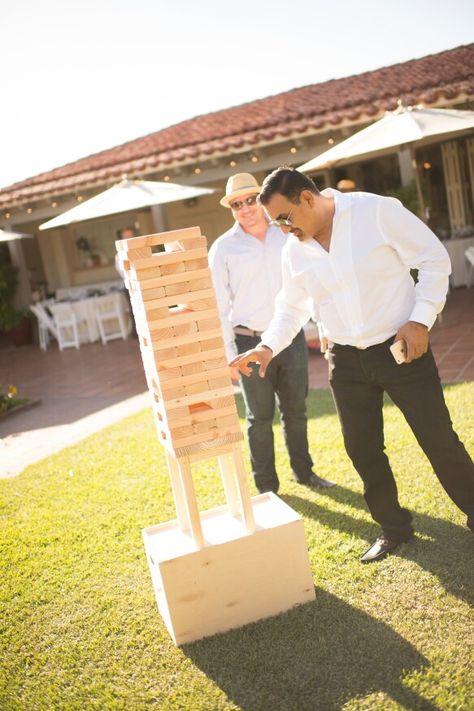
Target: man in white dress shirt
246, 256
347, 264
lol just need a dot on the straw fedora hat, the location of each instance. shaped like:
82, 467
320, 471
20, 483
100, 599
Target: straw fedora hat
238, 185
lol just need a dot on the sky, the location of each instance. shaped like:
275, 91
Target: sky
80, 77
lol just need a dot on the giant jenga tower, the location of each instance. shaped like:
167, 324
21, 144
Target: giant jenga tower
234, 564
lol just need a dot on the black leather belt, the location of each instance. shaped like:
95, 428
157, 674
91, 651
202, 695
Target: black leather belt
243, 331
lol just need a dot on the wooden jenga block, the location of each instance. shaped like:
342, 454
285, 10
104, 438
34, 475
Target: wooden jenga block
207, 324
213, 343
181, 432
214, 363
158, 315
183, 340
170, 374
188, 349
174, 289
177, 318
188, 298
200, 276
200, 283
194, 356
143, 268
200, 387
197, 367
166, 357
179, 415
155, 293
175, 268
218, 382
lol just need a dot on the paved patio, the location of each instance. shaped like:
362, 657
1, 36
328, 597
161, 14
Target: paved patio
84, 391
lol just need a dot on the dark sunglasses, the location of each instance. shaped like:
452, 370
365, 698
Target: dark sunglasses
238, 204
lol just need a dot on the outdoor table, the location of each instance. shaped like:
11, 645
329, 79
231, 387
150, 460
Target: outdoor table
85, 312
456, 249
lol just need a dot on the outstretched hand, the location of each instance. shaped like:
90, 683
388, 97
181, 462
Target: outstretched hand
260, 354
416, 338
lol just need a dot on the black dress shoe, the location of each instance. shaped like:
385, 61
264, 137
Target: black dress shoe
381, 548
316, 482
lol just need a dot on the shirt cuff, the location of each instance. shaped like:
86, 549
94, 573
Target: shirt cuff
424, 313
271, 343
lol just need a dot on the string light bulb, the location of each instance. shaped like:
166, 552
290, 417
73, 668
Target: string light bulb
330, 140
233, 163
254, 158
54, 203
29, 210
7, 215
79, 198
197, 170
293, 149
166, 178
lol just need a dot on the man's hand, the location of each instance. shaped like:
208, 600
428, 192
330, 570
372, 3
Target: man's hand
260, 354
416, 338
234, 374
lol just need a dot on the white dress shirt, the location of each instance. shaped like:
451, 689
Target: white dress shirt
246, 273
361, 289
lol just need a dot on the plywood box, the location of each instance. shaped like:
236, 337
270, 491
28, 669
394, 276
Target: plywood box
236, 578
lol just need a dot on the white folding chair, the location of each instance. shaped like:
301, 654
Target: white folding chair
469, 254
65, 322
111, 317
46, 325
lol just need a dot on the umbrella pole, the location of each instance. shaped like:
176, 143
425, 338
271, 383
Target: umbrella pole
419, 191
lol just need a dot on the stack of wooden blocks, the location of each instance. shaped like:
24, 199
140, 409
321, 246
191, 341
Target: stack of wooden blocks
236, 563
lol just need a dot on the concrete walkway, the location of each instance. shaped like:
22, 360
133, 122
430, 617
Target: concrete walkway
82, 391
20, 449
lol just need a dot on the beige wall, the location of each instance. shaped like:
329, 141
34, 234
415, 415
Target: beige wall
206, 214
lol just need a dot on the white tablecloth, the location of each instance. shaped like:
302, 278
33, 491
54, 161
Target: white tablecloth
82, 292
84, 309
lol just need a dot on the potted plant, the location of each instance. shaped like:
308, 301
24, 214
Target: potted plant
14, 323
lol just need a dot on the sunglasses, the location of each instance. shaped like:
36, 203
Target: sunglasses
239, 204
283, 221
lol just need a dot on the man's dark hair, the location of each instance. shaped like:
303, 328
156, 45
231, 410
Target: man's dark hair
287, 182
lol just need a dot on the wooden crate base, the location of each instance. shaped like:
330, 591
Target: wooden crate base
237, 577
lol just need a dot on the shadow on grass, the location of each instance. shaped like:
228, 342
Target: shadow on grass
316, 656
445, 551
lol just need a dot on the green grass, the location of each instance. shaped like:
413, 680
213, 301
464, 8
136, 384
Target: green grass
79, 628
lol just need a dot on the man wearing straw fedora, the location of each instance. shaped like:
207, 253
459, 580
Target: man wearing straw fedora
247, 255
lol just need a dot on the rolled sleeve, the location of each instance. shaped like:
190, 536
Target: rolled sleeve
293, 308
418, 248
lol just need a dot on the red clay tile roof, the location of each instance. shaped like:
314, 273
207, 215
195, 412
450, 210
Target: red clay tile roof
436, 78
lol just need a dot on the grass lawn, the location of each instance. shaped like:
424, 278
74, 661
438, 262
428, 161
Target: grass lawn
79, 628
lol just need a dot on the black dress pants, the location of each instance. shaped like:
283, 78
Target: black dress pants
286, 384
358, 379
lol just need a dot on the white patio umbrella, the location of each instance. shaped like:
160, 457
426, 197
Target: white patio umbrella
126, 195
404, 126
6, 236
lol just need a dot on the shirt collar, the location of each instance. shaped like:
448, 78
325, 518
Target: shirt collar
342, 201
